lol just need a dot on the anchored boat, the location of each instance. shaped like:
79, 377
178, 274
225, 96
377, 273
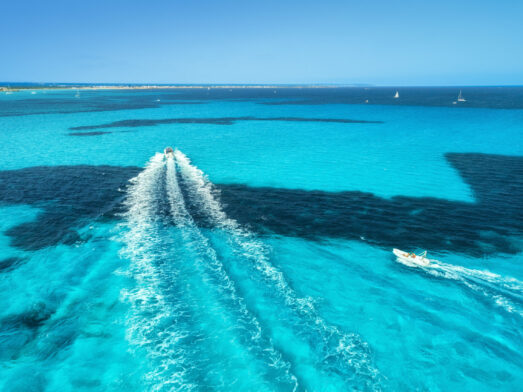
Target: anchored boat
412, 258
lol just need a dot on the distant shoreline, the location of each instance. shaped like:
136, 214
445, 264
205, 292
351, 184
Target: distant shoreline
20, 86
163, 87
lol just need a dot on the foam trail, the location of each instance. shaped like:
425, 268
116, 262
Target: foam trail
345, 350
485, 276
257, 343
506, 292
152, 324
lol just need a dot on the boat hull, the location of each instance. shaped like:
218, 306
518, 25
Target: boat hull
168, 152
411, 258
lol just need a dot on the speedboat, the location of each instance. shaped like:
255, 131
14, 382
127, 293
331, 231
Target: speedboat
412, 258
168, 152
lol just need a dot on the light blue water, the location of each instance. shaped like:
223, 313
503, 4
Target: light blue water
163, 284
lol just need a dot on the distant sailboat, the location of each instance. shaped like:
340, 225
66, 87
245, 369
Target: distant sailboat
77, 95
460, 97
397, 95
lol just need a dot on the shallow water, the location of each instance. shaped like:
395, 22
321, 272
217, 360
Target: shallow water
259, 256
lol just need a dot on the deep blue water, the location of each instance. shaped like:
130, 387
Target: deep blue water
259, 257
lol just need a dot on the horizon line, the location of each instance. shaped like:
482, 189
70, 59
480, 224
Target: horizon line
217, 85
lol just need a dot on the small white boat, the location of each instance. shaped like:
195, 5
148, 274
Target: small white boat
460, 97
33, 92
397, 95
168, 152
412, 258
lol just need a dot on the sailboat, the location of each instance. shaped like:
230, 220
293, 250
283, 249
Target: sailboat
460, 97
77, 95
397, 95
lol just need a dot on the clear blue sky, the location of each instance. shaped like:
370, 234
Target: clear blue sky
383, 42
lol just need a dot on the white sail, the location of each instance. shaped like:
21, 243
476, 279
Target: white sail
397, 95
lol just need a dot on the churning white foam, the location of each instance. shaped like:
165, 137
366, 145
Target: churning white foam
151, 324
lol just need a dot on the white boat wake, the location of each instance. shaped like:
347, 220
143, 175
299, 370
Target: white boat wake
152, 324
157, 323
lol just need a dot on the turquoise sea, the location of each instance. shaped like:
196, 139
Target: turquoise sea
259, 257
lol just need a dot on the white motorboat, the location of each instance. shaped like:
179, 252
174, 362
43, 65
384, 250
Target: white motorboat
168, 152
412, 258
